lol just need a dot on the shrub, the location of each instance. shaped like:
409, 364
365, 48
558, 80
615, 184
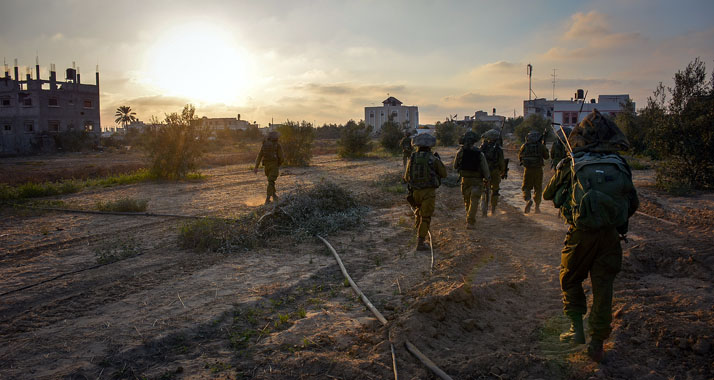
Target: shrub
123, 205
296, 140
175, 146
534, 122
354, 140
390, 136
447, 133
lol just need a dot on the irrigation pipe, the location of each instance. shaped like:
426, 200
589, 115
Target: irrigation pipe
656, 218
69, 210
354, 286
426, 361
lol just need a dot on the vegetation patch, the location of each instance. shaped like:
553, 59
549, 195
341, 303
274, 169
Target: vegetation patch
115, 250
322, 209
391, 183
123, 205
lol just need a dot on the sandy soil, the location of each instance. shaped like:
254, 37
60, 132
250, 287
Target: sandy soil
489, 309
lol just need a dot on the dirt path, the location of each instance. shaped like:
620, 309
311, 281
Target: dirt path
489, 309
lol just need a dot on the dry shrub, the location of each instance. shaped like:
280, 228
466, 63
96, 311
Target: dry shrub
123, 205
296, 140
322, 209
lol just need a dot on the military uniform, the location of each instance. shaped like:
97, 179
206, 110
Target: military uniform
271, 156
473, 169
423, 173
594, 252
557, 153
532, 156
496, 166
406, 144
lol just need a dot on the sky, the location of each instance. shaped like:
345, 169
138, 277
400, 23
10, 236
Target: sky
324, 61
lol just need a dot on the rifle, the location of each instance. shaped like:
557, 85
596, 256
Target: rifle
504, 175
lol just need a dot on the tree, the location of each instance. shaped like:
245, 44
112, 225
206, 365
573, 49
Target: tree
125, 116
447, 133
390, 136
296, 140
354, 139
533, 122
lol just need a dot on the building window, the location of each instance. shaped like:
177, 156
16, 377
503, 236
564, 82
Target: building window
53, 126
70, 102
371, 114
29, 126
24, 99
5, 101
6, 127
87, 103
89, 126
53, 102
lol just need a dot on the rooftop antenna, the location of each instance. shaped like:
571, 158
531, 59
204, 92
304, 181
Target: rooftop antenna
74, 66
529, 72
554, 80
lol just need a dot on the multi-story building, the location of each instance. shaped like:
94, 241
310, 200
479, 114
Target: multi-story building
568, 112
226, 123
33, 111
484, 117
391, 109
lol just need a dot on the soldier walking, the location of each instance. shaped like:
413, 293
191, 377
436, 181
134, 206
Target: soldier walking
532, 156
271, 155
406, 144
423, 173
473, 169
497, 167
557, 150
596, 196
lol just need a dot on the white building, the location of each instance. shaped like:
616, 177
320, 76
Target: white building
565, 112
392, 109
225, 123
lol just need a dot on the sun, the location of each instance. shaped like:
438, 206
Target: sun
200, 62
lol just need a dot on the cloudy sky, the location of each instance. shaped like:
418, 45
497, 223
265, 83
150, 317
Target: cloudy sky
325, 61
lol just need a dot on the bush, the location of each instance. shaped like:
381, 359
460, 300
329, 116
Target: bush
390, 136
123, 205
296, 140
447, 133
175, 146
354, 140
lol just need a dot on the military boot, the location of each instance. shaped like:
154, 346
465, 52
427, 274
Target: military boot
421, 246
267, 199
575, 334
275, 197
494, 202
537, 209
528, 206
595, 350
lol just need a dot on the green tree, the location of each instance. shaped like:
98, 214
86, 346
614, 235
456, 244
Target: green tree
390, 136
354, 139
125, 116
447, 133
533, 122
296, 140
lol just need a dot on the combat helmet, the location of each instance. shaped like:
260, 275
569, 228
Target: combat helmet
491, 135
596, 133
470, 137
533, 136
273, 136
424, 140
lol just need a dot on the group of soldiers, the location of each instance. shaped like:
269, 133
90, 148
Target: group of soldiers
592, 186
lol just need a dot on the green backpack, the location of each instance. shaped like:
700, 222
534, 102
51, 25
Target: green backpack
422, 174
532, 156
600, 188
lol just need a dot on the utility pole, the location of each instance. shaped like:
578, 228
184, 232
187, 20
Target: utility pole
529, 72
554, 79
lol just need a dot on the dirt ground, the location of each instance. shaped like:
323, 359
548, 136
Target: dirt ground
489, 309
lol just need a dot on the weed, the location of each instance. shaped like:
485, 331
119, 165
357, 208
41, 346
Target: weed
115, 250
346, 283
123, 205
301, 313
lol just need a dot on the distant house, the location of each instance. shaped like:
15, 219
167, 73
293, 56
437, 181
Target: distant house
482, 116
33, 111
225, 123
566, 112
391, 109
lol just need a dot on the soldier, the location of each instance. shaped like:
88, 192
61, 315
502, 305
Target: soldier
271, 154
557, 150
531, 156
473, 169
423, 173
497, 167
406, 144
596, 196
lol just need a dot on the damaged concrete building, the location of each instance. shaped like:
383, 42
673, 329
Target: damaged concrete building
34, 112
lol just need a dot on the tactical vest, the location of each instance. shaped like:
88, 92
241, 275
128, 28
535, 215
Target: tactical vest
270, 151
491, 151
422, 171
406, 144
532, 156
600, 188
471, 159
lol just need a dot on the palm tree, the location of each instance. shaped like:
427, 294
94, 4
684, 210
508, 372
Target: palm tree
125, 116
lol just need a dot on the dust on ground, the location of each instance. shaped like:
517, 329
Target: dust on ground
489, 308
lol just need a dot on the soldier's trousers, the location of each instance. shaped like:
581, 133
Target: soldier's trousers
272, 172
495, 185
597, 253
425, 200
405, 158
532, 180
471, 189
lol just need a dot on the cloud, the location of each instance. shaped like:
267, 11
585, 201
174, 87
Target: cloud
588, 24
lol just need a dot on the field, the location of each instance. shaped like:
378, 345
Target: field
489, 309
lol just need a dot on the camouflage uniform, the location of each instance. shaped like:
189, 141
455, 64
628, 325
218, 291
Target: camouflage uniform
473, 169
496, 166
557, 153
532, 156
423, 187
271, 155
406, 144
588, 252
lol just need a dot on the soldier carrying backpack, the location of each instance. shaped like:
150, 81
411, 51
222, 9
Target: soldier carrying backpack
423, 173
271, 155
473, 169
532, 156
497, 167
593, 189
406, 144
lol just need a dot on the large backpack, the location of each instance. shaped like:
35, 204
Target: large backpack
532, 156
491, 151
422, 172
600, 189
270, 151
